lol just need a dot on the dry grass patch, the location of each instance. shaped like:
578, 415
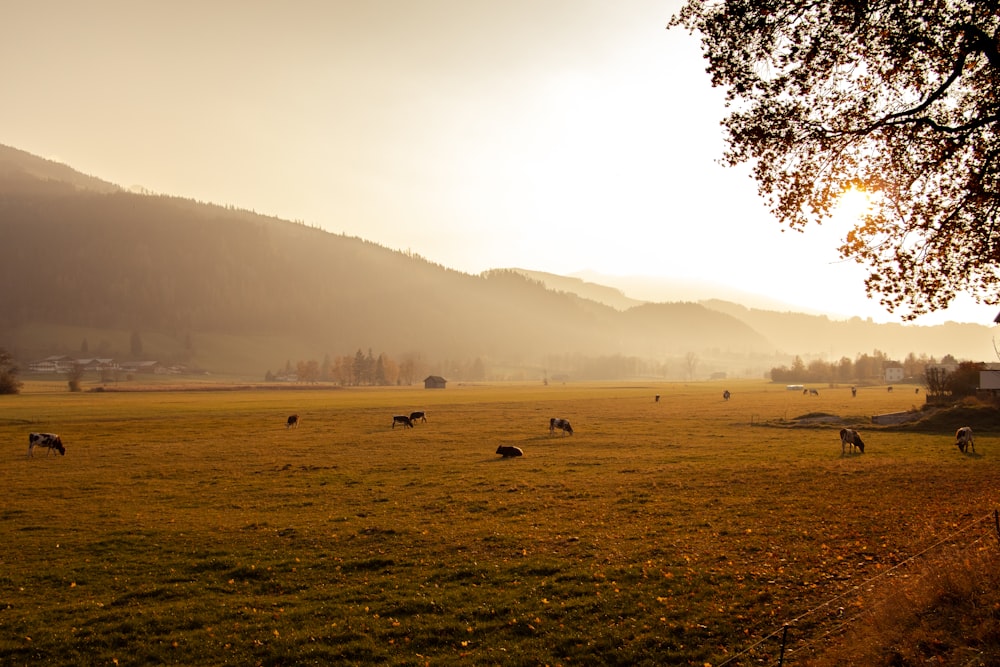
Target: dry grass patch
193, 527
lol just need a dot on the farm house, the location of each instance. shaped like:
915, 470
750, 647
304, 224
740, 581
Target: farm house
434, 382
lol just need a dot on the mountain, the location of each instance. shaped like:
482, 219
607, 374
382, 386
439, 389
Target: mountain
88, 264
89, 256
797, 333
645, 288
21, 171
609, 296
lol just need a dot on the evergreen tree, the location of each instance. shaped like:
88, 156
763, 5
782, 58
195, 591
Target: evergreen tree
9, 383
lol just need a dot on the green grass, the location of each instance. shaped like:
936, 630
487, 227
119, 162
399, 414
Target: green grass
193, 528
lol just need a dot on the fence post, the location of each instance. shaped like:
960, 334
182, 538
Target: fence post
784, 636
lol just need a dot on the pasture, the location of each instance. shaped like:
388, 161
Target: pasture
193, 527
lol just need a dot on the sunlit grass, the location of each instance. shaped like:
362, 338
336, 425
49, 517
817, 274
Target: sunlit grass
194, 528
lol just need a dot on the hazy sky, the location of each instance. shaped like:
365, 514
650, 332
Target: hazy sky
554, 135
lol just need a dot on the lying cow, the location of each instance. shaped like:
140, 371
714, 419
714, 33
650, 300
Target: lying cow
963, 439
849, 440
402, 419
507, 451
563, 424
293, 420
422, 416
49, 441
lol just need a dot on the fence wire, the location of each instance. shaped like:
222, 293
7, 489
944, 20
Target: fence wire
854, 589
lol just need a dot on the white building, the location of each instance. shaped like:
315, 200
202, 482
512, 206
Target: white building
894, 374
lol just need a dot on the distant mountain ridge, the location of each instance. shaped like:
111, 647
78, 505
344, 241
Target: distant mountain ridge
195, 273
18, 167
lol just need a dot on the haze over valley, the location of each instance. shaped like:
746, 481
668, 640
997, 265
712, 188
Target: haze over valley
89, 264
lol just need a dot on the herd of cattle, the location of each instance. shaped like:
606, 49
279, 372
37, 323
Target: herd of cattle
850, 439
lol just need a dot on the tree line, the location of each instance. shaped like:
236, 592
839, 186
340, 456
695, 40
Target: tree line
862, 368
367, 370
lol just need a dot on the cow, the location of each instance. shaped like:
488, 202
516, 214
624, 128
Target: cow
963, 439
890, 389
49, 441
563, 424
422, 416
726, 395
813, 392
854, 392
849, 439
293, 420
507, 451
402, 419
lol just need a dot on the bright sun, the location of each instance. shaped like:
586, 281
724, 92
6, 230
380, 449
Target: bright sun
854, 203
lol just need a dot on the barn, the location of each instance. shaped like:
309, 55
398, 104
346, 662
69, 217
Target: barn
434, 382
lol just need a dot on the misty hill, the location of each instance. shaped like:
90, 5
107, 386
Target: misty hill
791, 333
234, 291
817, 335
87, 255
609, 296
21, 171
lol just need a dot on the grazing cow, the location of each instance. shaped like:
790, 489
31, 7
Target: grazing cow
422, 416
726, 395
563, 424
49, 441
849, 439
813, 392
402, 419
293, 420
854, 392
963, 439
507, 451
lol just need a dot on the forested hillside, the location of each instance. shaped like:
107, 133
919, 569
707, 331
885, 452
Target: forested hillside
86, 254
85, 257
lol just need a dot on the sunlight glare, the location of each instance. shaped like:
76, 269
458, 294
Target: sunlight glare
854, 204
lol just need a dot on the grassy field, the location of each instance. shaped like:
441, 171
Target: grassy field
192, 527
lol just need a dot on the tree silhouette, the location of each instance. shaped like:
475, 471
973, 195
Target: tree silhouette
894, 99
135, 344
9, 383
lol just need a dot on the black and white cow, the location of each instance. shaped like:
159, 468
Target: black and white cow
402, 419
293, 420
963, 439
49, 441
507, 451
563, 424
849, 439
422, 416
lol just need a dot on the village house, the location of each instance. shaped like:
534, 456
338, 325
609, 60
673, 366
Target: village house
894, 374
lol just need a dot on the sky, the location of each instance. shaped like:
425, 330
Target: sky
563, 136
